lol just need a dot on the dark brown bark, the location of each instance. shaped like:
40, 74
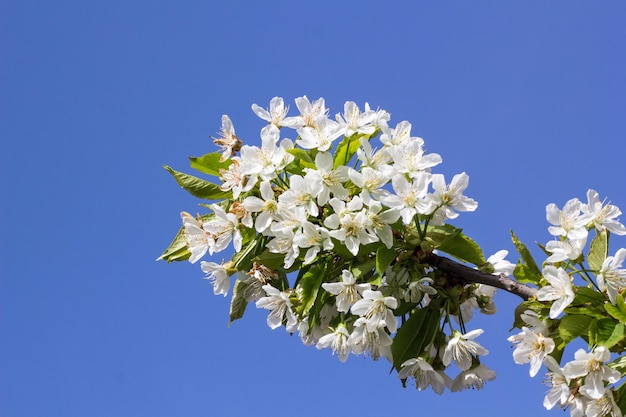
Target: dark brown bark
473, 275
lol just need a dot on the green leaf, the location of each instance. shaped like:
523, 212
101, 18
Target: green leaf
463, 248
346, 150
573, 326
615, 312
209, 163
198, 187
177, 250
239, 301
308, 287
415, 335
609, 333
384, 258
589, 296
243, 258
598, 251
271, 260
524, 274
439, 234
527, 258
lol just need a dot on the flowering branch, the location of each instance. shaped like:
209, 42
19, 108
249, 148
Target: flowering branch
342, 242
474, 275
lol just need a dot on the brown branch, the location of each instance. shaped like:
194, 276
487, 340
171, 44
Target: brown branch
474, 275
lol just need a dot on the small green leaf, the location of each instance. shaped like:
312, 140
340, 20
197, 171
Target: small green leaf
177, 250
525, 274
243, 258
598, 251
527, 258
463, 248
609, 333
616, 312
209, 163
238, 303
415, 335
384, 258
589, 296
573, 326
308, 287
346, 150
198, 187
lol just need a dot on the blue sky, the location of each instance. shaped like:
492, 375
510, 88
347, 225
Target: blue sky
528, 98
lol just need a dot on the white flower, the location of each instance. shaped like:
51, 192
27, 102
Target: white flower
310, 113
266, 161
409, 158
266, 205
347, 291
559, 291
462, 349
501, 265
337, 341
280, 308
409, 197
612, 278
531, 347
228, 141
370, 158
591, 366
218, 275
603, 406
399, 136
565, 249
450, 197
234, 179
301, 193
313, 237
377, 310
276, 113
349, 223
198, 240
330, 180
320, 137
353, 121
370, 181
567, 222
374, 343
282, 242
225, 227
559, 392
423, 373
603, 217
474, 378
378, 222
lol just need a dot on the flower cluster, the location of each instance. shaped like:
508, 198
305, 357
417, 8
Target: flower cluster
330, 234
563, 311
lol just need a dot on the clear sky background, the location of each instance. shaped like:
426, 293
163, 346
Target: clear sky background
528, 98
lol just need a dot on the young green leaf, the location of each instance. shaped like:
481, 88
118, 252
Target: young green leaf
463, 248
384, 258
598, 251
177, 250
573, 326
527, 258
209, 163
308, 287
238, 303
346, 150
524, 274
198, 187
414, 335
